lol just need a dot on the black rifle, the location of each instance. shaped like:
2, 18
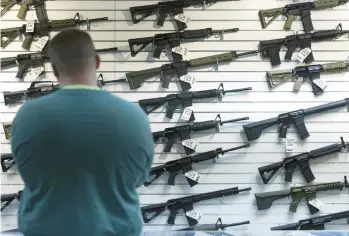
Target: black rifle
315, 223
168, 8
177, 69
172, 40
180, 133
42, 29
254, 130
185, 99
270, 49
184, 165
265, 200
7, 161
8, 198
184, 204
36, 89
302, 160
302, 9
28, 60
213, 227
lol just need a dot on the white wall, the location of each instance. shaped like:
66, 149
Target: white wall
238, 168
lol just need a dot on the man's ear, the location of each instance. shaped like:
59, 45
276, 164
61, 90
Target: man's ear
98, 61
55, 72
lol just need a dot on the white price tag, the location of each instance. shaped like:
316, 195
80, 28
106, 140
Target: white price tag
193, 175
30, 26
289, 145
188, 78
304, 53
40, 44
180, 50
35, 72
182, 18
190, 144
317, 203
194, 215
321, 83
187, 113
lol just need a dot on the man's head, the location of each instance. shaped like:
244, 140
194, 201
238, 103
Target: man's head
73, 57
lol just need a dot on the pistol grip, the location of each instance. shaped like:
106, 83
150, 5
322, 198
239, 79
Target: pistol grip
172, 178
283, 131
22, 13
289, 22
294, 204
289, 53
27, 41
169, 145
306, 21
22, 69
172, 217
170, 110
161, 18
274, 54
158, 51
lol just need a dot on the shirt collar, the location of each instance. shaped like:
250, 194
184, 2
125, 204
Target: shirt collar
81, 86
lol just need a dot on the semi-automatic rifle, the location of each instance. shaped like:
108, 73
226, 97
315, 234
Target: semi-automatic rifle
36, 89
213, 227
37, 59
254, 130
302, 161
6, 199
265, 200
309, 73
184, 204
180, 133
270, 49
25, 5
315, 223
172, 40
7, 162
185, 165
42, 29
303, 10
169, 71
184, 99
168, 8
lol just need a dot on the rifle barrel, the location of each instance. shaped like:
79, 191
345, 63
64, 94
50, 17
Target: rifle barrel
234, 120
326, 107
235, 148
235, 90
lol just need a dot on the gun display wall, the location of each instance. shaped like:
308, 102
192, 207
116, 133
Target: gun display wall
247, 102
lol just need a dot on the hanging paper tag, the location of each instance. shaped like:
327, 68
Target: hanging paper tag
304, 53
194, 215
317, 203
182, 18
321, 83
289, 145
35, 72
190, 144
180, 50
188, 111
40, 44
193, 175
188, 78
30, 26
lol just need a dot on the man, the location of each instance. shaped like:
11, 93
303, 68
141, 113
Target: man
81, 151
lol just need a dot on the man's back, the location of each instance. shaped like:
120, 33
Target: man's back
81, 153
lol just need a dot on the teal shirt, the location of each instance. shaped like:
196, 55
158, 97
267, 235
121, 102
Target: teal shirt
81, 153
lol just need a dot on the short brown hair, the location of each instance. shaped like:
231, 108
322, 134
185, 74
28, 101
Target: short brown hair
71, 51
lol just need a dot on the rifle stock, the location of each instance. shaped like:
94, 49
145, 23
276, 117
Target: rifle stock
152, 211
254, 130
136, 79
270, 13
267, 172
265, 200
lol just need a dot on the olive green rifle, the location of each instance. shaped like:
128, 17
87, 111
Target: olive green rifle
7, 129
308, 193
303, 10
39, 6
178, 69
309, 73
42, 29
